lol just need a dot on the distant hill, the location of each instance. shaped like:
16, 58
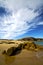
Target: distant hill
7, 41
31, 39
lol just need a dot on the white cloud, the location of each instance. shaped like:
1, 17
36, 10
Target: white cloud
16, 24
18, 4
40, 23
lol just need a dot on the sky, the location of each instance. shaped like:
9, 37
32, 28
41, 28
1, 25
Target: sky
21, 18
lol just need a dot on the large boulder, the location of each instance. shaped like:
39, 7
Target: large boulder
14, 50
10, 51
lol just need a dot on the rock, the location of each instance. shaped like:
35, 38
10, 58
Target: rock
10, 51
18, 49
14, 50
4, 52
29, 45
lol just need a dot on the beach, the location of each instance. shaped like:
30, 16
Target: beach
26, 57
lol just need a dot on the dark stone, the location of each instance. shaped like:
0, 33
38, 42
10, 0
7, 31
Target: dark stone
10, 51
14, 50
4, 52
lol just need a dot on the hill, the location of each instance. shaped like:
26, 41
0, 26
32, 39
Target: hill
31, 39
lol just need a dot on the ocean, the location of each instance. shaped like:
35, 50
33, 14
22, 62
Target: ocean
39, 42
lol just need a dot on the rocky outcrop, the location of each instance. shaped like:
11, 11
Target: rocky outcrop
10, 51
14, 50
25, 45
29, 45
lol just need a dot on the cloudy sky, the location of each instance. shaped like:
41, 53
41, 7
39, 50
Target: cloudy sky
21, 18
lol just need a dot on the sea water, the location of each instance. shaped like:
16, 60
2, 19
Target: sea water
39, 42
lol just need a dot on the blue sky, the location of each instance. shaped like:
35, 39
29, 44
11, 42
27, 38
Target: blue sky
19, 19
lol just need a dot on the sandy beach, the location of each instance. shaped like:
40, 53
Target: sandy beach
26, 57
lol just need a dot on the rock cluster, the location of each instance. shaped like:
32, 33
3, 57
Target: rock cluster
16, 50
13, 50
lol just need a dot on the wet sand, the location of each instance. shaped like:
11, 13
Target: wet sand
26, 57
